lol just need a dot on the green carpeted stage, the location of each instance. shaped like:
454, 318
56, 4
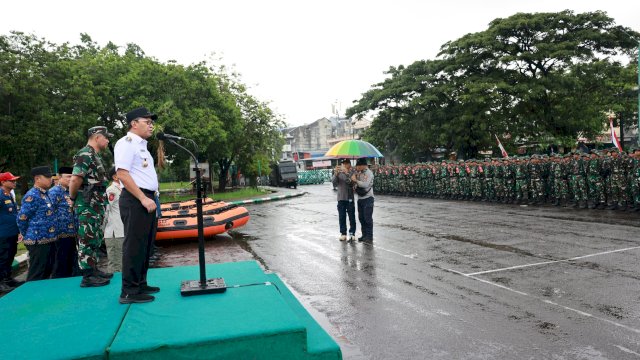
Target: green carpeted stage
256, 318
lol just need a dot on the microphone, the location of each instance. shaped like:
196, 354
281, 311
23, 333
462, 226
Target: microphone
163, 136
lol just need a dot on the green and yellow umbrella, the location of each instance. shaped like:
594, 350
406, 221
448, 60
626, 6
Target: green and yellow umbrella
354, 149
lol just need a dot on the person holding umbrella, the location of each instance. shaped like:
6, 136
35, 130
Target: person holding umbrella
363, 179
341, 180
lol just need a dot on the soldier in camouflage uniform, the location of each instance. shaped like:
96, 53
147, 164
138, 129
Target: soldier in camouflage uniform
87, 192
577, 184
618, 196
634, 178
535, 181
597, 197
546, 178
522, 181
509, 180
498, 180
560, 186
477, 176
488, 189
442, 178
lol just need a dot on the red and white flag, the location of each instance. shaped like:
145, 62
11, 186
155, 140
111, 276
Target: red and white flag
614, 138
504, 152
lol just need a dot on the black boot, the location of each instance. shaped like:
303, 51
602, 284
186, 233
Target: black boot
102, 274
5, 287
13, 282
91, 279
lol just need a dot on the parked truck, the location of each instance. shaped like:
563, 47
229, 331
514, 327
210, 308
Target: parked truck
284, 173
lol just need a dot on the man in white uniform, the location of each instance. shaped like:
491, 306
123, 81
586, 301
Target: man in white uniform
114, 228
134, 167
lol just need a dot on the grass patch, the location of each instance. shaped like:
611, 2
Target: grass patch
227, 195
21, 249
175, 185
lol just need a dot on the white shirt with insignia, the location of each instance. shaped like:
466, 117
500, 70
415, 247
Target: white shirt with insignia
131, 154
114, 227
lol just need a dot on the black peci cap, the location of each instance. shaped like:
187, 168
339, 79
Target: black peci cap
140, 112
41, 170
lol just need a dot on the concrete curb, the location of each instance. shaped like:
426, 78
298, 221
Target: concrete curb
19, 261
268, 198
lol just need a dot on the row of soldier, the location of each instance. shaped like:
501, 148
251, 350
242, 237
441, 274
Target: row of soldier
598, 179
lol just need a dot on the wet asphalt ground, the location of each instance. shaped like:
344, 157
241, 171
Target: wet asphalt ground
451, 279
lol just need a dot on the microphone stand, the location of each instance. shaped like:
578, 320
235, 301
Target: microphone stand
204, 285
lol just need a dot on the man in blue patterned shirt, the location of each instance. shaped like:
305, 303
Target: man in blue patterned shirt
66, 258
37, 224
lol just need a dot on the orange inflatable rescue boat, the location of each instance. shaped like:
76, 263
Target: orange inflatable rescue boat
179, 220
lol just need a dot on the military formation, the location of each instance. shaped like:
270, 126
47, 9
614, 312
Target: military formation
600, 179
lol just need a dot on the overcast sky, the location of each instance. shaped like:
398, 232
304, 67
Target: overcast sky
302, 56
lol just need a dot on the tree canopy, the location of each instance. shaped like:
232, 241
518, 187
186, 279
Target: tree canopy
51, 94
529, 78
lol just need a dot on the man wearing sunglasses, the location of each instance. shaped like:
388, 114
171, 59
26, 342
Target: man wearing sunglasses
134, 166
87, 191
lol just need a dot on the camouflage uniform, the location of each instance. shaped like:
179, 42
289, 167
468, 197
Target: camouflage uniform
535, 181
577, 183
509, 180
443, 178
499, 182
634, 179
595, 183
522, 183
477, 175
91, 204
560, 184
618, 182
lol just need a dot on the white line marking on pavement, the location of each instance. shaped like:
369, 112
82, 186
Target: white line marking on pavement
585, 314
551, 262
411, 256
637, 331
627, 350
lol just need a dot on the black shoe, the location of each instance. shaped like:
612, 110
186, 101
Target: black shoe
102, 274
93, 281
13, 282
4, 287
146, 289
135, 298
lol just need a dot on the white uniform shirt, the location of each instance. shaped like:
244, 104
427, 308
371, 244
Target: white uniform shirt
114, 227
131, 154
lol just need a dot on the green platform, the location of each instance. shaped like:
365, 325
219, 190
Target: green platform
258, 319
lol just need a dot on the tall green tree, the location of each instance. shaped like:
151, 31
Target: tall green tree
527, 78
